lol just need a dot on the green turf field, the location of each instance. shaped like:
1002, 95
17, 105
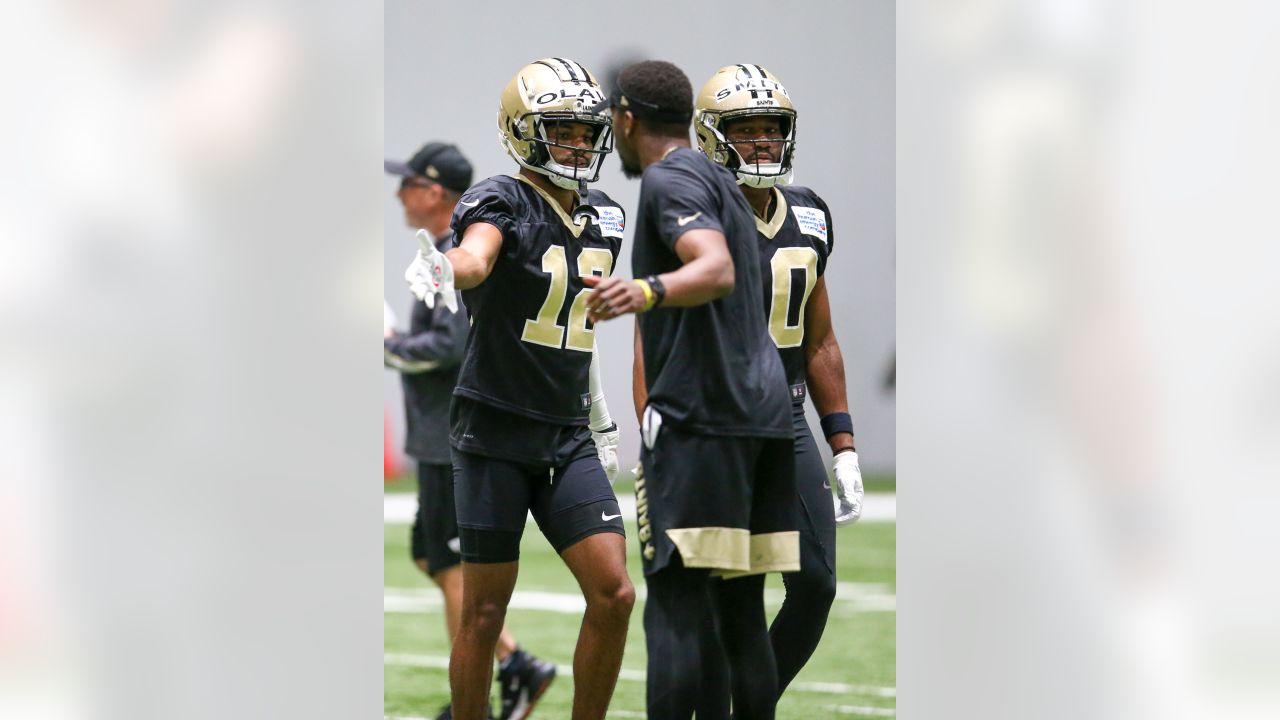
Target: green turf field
852, 674
874, 482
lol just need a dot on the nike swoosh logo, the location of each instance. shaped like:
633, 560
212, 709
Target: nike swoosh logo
609, 517
686, 220
826, 484
473, 203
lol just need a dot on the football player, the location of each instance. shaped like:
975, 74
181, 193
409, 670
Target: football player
428, 356
717, 494
745, 120
525, 408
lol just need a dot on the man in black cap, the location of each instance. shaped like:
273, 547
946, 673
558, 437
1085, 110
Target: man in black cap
428, 358
716, 503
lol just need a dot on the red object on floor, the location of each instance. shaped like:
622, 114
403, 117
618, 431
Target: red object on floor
390, 457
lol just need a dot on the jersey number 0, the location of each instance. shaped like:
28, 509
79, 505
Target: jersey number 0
543, 329
786, 312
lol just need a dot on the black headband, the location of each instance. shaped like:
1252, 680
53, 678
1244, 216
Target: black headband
642, 108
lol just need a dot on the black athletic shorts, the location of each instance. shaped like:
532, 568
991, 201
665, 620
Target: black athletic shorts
725, 503
434, 536
483, 429
570, 497
818, 514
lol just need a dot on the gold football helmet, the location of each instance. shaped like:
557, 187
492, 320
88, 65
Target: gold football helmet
737, 91
548, 91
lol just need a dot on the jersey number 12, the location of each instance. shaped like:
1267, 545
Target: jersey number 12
543, 329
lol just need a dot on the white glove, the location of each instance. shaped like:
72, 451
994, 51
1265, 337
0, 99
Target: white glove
388, 317
431, 274
848, 488
607, 451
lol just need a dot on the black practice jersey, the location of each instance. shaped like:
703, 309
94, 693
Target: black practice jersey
530, 346
710, 369
794, 246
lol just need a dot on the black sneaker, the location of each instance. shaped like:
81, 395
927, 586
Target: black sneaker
522, 681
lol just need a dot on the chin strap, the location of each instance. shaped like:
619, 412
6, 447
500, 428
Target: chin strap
583, 213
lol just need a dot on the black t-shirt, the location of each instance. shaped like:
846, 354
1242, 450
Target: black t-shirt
794, 246
710, 369
529, 351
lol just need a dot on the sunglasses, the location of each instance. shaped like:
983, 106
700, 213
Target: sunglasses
418, 182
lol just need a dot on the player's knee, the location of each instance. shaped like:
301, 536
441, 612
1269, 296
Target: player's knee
616, 599
816, 586
625, 597
448, 579
485, 616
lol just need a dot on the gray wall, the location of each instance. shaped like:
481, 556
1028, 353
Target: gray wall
446, 63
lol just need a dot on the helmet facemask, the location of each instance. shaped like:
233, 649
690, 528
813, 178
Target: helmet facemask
567, 176
732, 155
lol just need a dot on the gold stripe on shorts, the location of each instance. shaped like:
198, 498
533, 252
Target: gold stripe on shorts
720, 548
770, 552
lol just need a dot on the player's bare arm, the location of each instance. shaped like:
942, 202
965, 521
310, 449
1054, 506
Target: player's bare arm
639, 394
824, 375
707, 275
474, 257
824, 372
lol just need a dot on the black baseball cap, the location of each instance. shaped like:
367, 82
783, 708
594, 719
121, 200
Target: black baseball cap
438, 162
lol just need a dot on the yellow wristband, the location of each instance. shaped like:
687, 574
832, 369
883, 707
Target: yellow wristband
649, 297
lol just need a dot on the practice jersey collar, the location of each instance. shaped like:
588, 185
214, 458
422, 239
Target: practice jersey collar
564, 216
771, 228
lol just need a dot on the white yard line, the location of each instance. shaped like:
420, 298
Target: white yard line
828, 688
841, 688
862, 710
395, 601
851, 598
399, 508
